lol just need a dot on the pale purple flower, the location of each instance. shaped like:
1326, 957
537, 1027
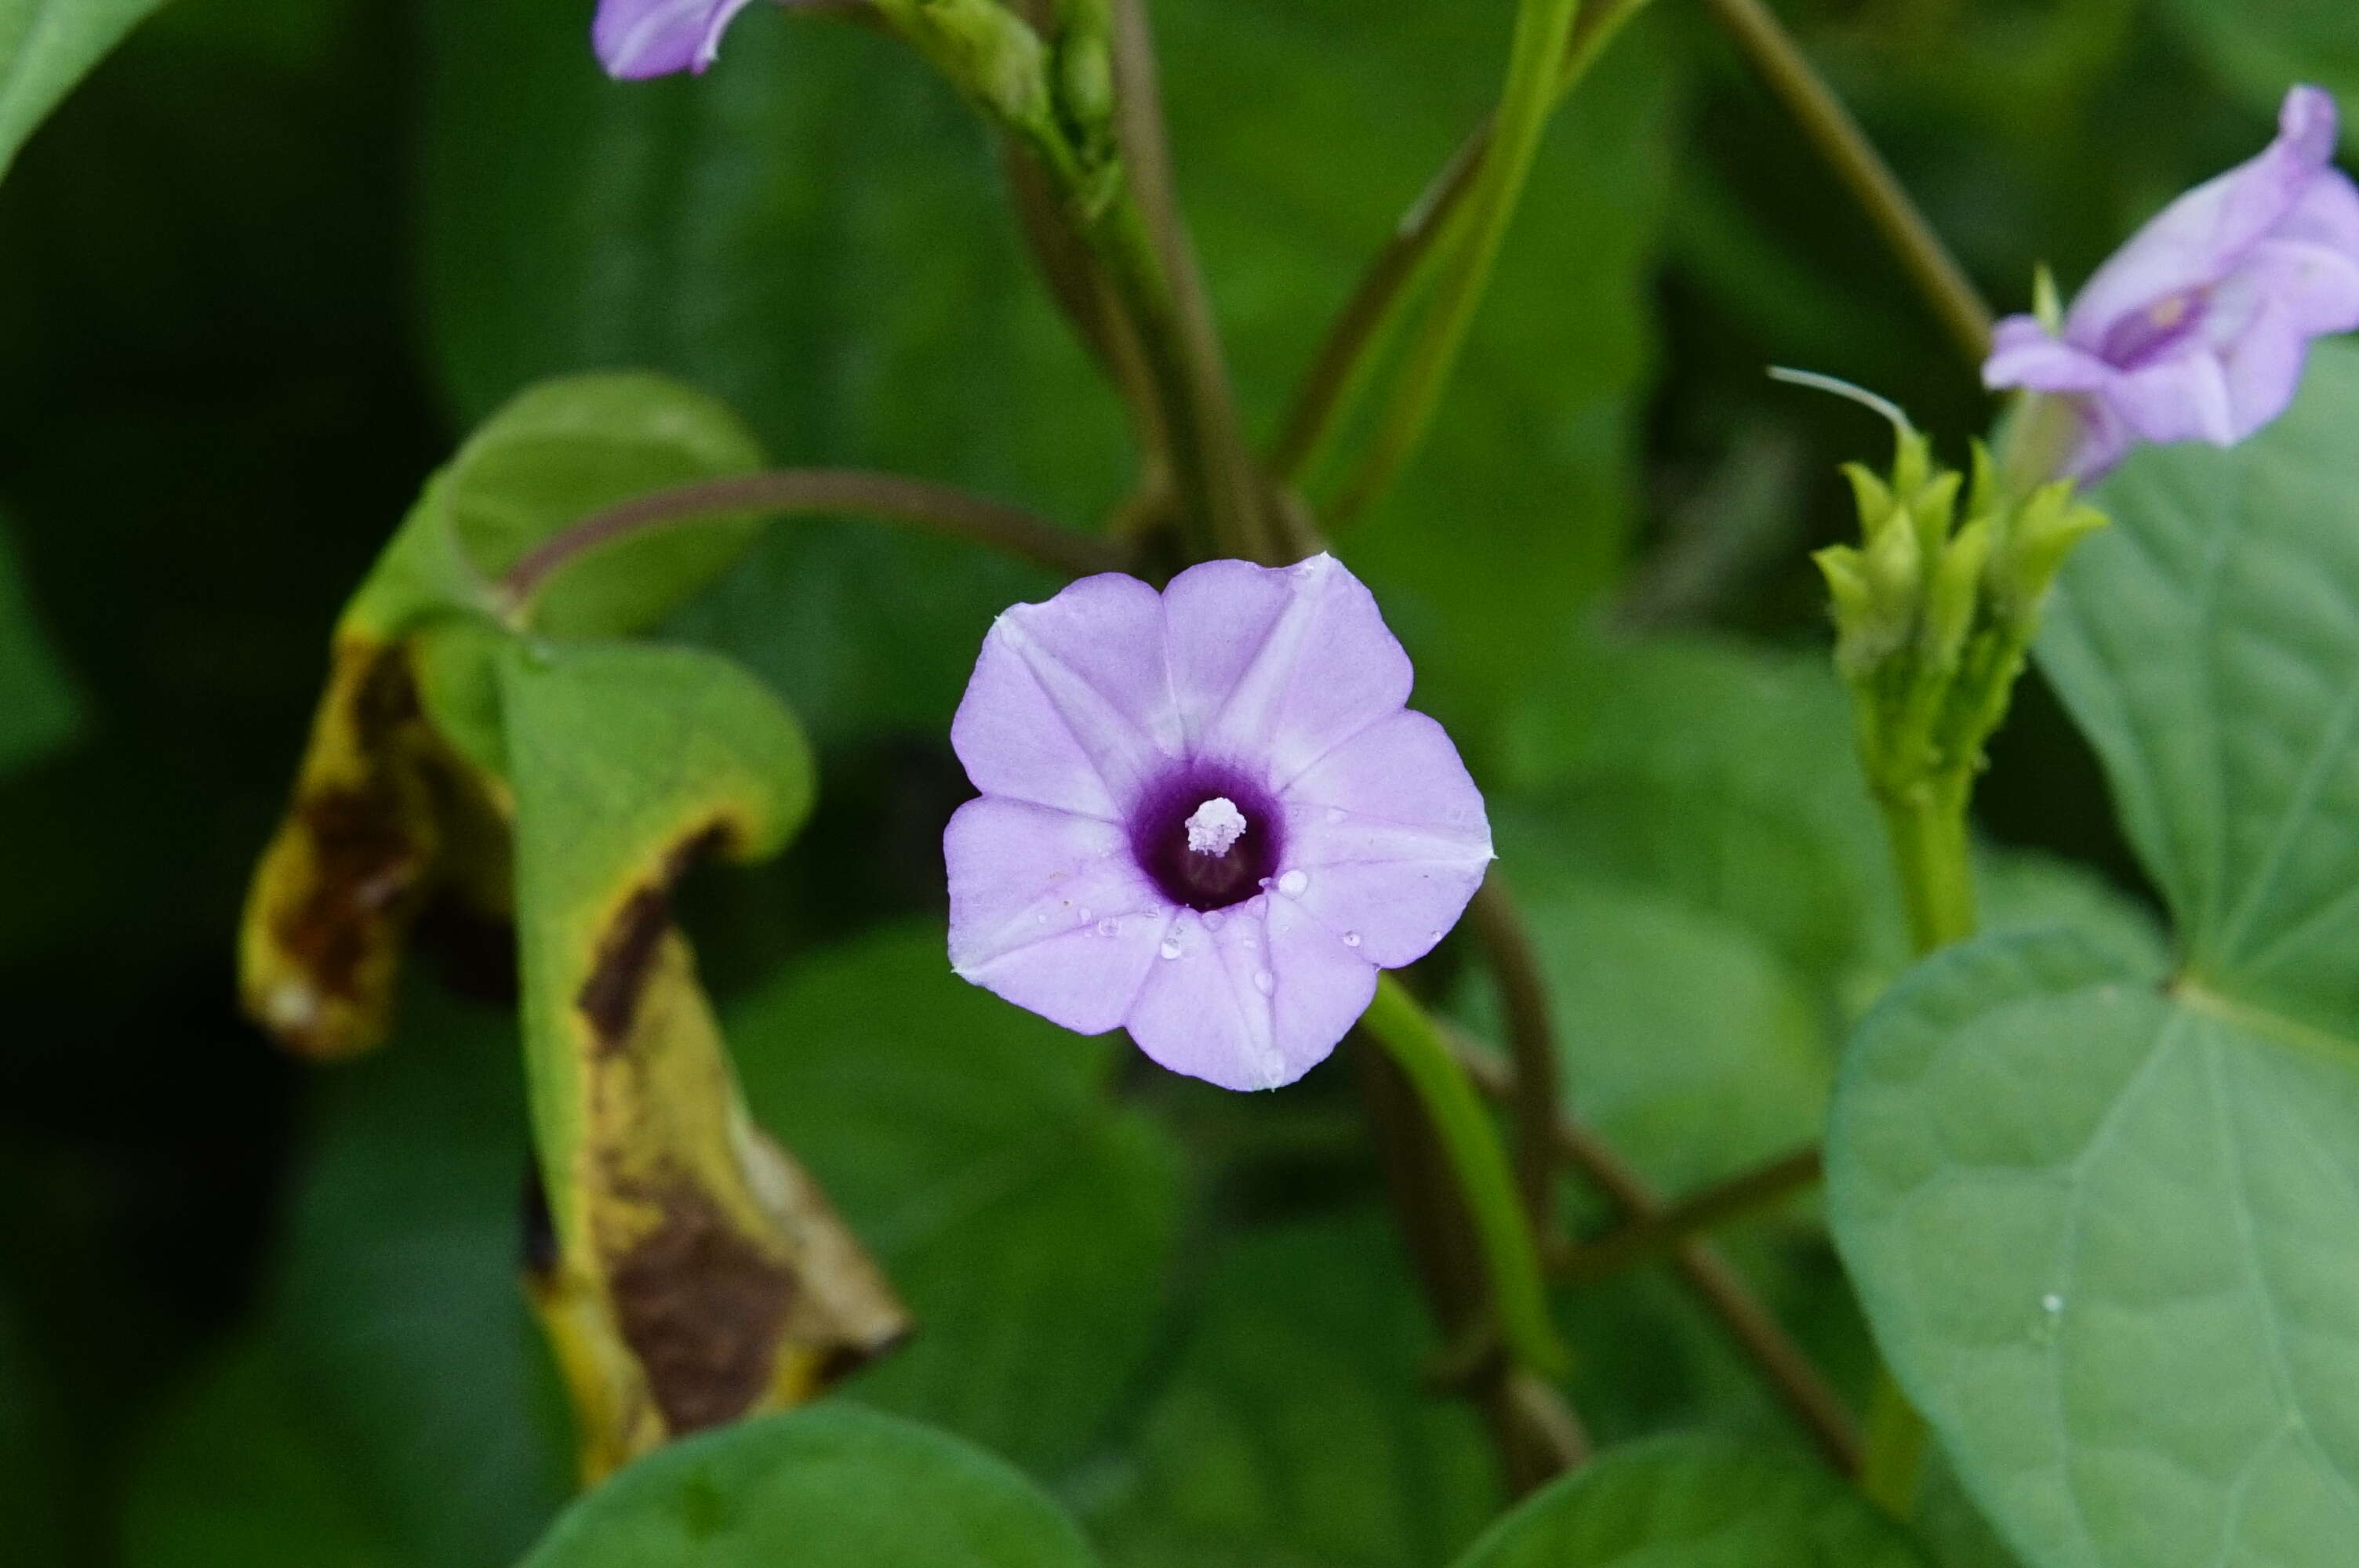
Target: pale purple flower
1206, 816
640, 38
2198, 328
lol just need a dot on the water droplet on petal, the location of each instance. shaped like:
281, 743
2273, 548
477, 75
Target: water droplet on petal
1082, 917
1264, 981
1042, 917
1169, 949
1214, 920
1107, 928
1435, 935
1351, 938
1293, 883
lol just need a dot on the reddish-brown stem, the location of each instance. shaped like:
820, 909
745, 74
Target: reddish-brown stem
1531, 1044
1797, 1383
1643, 1240
893, 498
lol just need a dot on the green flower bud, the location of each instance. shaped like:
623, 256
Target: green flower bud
1953, 597
1868, 627
1874, 498
988, 53
2045, 529
1085, 73
1933, 510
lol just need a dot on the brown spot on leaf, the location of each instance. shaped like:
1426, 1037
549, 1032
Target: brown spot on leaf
609, 998
367, 852
366, 859
701, 1307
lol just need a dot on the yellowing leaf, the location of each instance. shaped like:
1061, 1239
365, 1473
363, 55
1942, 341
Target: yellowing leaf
379, 801
399, 794
692, 1272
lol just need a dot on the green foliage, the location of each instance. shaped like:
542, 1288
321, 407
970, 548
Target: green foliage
828, 1485
2262, 46
1517, 508
2207, 651
552, 455
1292, 1431
1694, 1502
2096, 1213
29, 1508
815, 232
1724, 776
236, 1477
39, 712
47, 46
1685, 1040
253, 1318
1028, 1223
394, 1351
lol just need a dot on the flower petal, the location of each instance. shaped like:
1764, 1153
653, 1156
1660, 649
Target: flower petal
640, 38
1251, 998
2105, 440
2199, 239
1279, 665
2024, 354
2317, 285
1049, 911
1386, 840
2328, 214
1069, 705
2184, 398
2262, 368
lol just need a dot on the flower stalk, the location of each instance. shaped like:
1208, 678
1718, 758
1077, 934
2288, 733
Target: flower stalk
1399, 280
1485, 1179
1823, 117
1543, 31
1934, 617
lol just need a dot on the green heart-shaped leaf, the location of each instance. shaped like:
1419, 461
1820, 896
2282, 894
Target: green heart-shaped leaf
1694, 1502
2101, 1214
832, 1485
1029, 1221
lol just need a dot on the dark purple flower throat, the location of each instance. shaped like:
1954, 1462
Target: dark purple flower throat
1201, 852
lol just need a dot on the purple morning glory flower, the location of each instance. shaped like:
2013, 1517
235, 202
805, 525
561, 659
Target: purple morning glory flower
1205, 815
2198, 328
640, 38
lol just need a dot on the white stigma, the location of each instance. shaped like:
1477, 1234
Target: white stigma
1216, 826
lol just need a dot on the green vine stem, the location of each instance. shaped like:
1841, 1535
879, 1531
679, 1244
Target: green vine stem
1400, 276
1485, 1180
1215, 494
1543, 31
1140, 133
1861, 169
1927, 828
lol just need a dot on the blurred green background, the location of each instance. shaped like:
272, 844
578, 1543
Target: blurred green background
270, 262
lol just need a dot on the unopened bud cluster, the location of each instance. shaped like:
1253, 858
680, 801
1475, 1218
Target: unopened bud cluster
1055, 97
1935, 609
